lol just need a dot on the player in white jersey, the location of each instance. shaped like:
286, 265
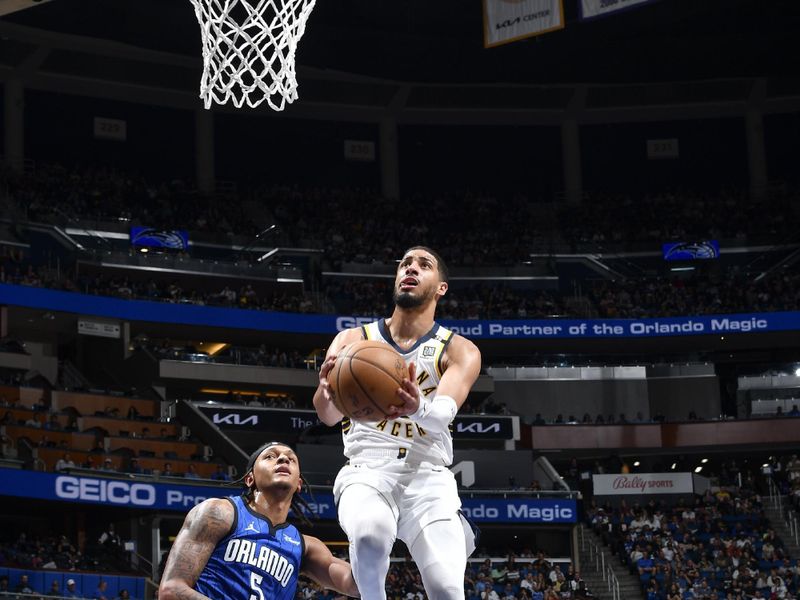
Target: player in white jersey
396, 483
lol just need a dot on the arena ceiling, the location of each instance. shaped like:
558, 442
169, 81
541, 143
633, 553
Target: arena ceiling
442, 40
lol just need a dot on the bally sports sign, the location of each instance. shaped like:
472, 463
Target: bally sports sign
638, 484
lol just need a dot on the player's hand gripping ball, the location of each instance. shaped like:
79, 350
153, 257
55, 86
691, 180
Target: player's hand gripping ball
365, 378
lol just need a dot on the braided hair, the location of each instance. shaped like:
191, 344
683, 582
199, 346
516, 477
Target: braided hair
298, 504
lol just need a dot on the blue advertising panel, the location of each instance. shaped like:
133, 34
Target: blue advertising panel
102, 490
181, 498
691, 250
531, 510
169, 239
259, 320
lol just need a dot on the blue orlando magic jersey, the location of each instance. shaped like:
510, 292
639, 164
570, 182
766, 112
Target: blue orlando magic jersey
255, 561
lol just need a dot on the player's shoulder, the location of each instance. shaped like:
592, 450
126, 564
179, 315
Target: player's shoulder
350, 335
459, 345
215, 515
344, 338
463, 352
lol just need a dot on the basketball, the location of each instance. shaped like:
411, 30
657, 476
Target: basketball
365, 378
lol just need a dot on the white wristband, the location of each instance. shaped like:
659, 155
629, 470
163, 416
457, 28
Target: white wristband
435, 415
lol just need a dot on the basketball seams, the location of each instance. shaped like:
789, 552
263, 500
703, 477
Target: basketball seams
376, 365
359, 377
363, 389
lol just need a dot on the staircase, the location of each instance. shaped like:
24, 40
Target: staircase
604, 575
785, 524
72, 378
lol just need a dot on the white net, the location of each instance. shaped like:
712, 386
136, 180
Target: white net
249, 50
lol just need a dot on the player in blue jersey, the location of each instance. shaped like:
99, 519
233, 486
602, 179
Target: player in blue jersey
242, 546
396, 483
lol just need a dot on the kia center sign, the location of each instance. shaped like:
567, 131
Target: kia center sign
474, 427
639, 484
511, 20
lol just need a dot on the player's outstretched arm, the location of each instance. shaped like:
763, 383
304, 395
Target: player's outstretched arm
205, 525
323, 403
327, 570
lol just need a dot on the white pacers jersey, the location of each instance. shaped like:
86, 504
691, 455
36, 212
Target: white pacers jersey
402, 436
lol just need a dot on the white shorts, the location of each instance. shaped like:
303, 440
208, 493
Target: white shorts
418, 494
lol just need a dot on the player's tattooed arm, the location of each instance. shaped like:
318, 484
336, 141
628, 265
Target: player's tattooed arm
327, 570
205, 525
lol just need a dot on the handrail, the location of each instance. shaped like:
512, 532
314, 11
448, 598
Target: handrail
141, 558
598, 556
613, 584
794, 530
775, 494
789, 515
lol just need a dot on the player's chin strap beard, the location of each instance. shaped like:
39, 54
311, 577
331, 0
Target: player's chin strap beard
406, 300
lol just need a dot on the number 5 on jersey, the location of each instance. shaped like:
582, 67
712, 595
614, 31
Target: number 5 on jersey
255, 585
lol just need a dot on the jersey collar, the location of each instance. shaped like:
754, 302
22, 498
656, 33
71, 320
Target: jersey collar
272, 528
388, 337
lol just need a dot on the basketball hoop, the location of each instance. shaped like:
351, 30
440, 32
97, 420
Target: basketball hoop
249, 50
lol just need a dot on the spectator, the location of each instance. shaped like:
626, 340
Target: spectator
101, 592
23, 587
527, 582
55, 589
499, 574
7, 447
109, 538
65, 462
134, 467
72, 590
220, 474
53, 424
793, 469
191, 472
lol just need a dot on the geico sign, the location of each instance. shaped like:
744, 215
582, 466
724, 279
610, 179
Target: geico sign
101, 490
343, 323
